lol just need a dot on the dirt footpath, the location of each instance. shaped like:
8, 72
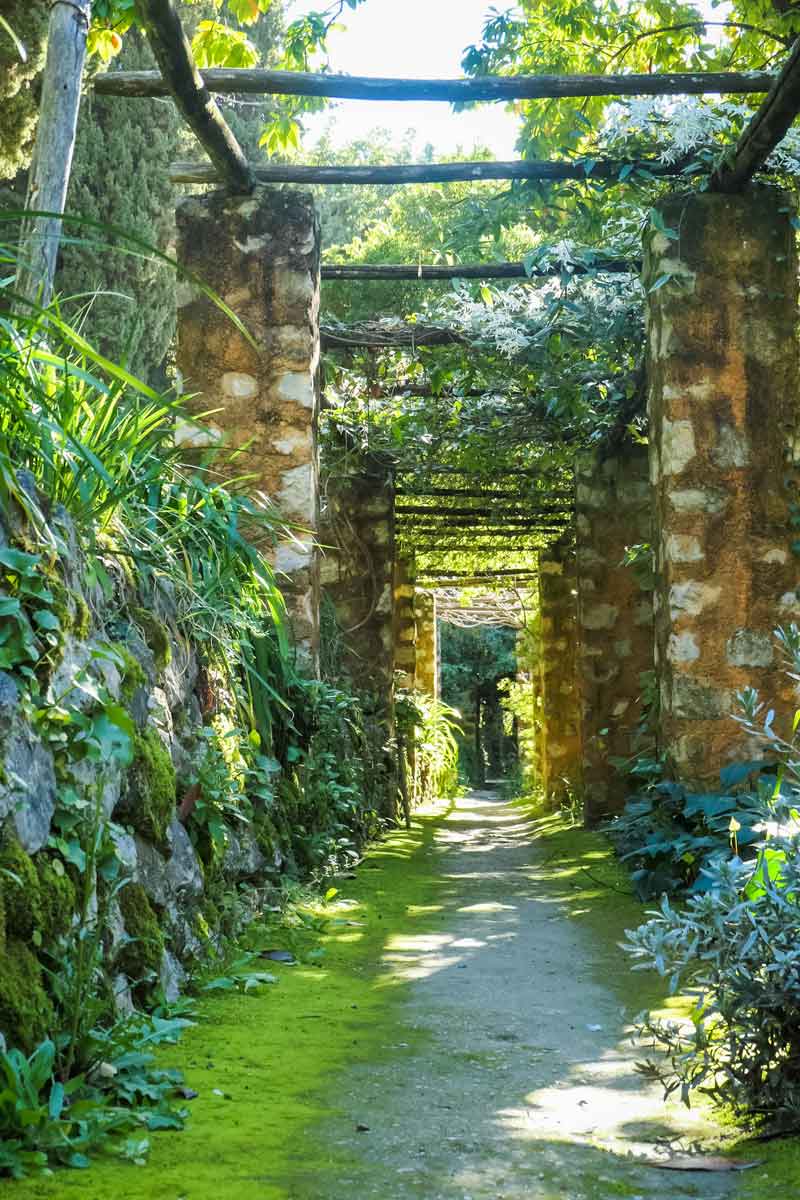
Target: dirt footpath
510, 1072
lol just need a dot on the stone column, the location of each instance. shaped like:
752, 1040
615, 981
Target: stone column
260, 254
405, 622
615, 618
426, 667
561, 718
357, 539
722, 401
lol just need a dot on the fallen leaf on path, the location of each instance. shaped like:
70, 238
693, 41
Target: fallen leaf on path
284, 956
362, 1128
702, 1162
187, 1093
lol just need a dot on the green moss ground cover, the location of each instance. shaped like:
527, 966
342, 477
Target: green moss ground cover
266, 1065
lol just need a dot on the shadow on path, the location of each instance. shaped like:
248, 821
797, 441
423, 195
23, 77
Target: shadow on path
510, 1072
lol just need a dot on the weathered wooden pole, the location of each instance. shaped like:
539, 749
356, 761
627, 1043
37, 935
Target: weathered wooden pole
55, 143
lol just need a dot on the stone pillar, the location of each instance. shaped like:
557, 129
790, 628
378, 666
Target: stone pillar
426, 667
405, 622
260, 254
615, 618
357, 539
723, 378
561, 718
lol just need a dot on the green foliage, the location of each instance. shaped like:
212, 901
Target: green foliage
46, 1122
734, 943
33, 615
428, 732
27, 22
337, 805
738, 953
228, 774
671, 836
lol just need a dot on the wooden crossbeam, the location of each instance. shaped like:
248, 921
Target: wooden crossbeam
448, 172
482, 523
480, 547
501, 270
768, 126
183, 81
244, 81
476, 494
539, 504
441, 576
444, 469
366, 334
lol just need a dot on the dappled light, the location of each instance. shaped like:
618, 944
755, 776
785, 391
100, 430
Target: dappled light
399, 600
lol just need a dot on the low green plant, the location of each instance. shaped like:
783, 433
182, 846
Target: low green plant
46, 1122
669, 835
428, 750
734, 945
736, 950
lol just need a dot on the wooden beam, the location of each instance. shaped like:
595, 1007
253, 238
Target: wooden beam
443, 469
67, 30
505, 270
135, 84
441, 576
365, 335
476, 494
456, 516
448, 172
184, 82
478, 547
769, 125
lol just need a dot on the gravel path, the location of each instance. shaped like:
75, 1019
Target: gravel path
510, 1073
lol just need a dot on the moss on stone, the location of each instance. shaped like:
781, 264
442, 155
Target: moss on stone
156, 635
26, 1014
2, 919
133, 676
57, 898
141, 956
82, 621
21, 891
150, 803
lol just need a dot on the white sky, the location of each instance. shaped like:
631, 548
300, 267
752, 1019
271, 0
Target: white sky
412, 38
420, 38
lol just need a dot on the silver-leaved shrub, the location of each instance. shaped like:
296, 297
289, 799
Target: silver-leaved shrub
735, 949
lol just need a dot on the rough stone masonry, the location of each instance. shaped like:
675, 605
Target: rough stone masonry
256, 376
722, 405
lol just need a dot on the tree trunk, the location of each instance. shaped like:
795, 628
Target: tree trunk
55, 143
